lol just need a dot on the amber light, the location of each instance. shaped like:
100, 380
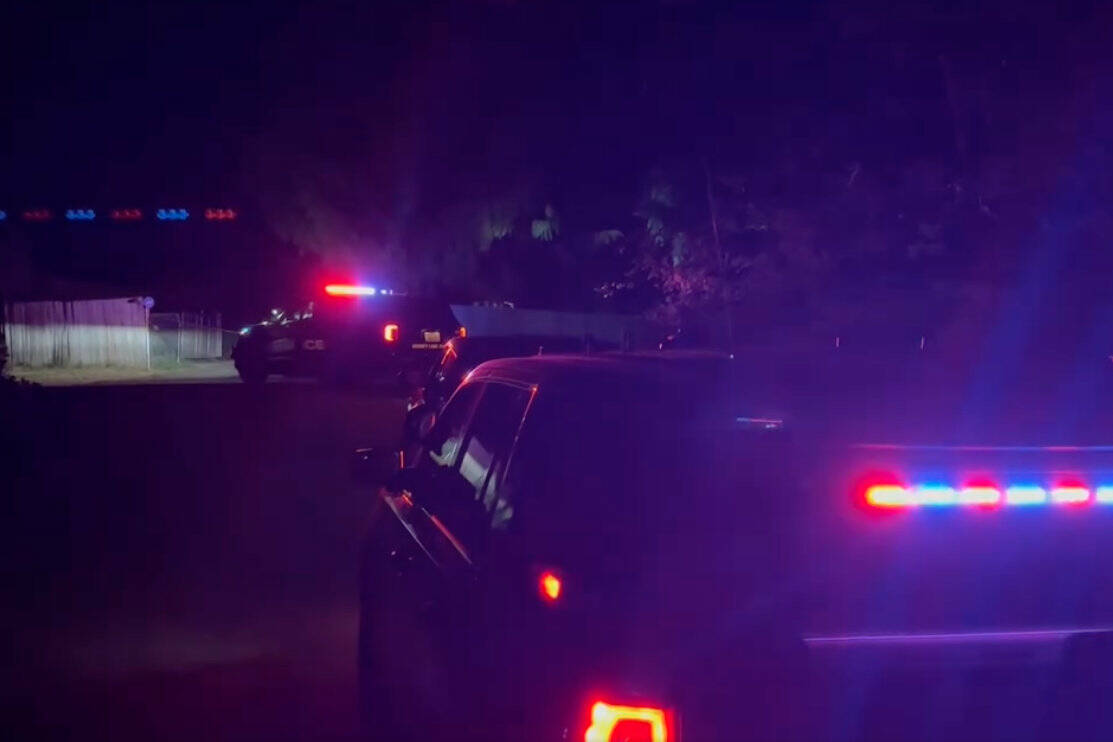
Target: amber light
550, 586
390, 333
462, 331
605, 718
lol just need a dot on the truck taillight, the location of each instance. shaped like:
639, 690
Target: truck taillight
633, 723
390, 333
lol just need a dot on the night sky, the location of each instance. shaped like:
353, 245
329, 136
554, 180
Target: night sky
207, 104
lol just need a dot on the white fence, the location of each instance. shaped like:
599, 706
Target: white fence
100, 332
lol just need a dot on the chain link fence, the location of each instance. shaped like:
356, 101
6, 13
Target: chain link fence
184, 336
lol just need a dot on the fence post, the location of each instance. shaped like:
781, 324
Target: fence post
147, 317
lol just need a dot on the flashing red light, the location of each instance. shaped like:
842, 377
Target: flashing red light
979, 495
125, 215
38, 215
219, 215
390, 333
648, 723
1070, 495
888, 496
343, 289
550, 586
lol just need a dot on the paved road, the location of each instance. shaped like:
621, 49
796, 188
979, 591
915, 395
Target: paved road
180, 561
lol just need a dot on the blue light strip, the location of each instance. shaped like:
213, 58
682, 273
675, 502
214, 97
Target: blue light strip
172, 215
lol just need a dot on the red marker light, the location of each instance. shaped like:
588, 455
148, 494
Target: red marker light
638, 723
550, 586
390, 333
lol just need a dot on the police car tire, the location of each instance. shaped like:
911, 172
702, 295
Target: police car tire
252, 372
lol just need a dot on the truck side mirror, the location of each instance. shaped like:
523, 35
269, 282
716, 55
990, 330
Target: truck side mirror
374, 466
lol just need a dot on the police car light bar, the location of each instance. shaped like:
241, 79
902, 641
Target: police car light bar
343, 289
935, 495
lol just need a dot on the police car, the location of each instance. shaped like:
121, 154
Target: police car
680, 546
348, 332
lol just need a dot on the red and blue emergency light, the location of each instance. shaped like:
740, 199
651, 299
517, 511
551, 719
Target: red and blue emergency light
935, 494
348, 289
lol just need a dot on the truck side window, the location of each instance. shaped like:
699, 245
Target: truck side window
488, 446
443, 442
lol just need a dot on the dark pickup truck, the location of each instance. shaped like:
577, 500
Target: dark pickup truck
685, 546
348, 333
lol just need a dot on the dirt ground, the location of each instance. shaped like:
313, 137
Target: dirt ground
180, 560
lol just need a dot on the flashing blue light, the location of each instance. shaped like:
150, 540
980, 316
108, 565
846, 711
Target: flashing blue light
3, 215
1104, 494
80, 215
172, 215
934, 494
